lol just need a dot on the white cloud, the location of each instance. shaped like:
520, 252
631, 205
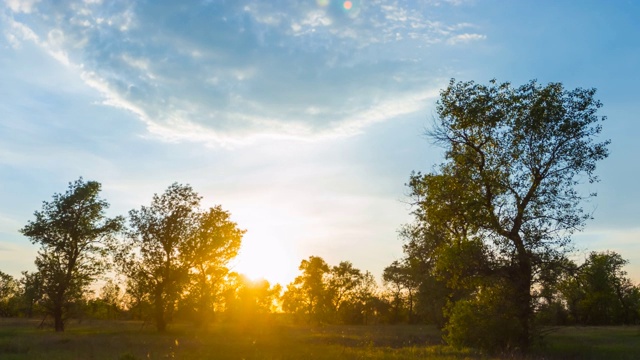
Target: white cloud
309, 72
465, 38
21, 6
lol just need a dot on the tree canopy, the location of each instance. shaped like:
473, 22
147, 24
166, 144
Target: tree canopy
505, 199
73, 233
174, 246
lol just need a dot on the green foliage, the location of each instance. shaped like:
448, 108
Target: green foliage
485, 321
599, 293
504, 202
338, 294
74, 237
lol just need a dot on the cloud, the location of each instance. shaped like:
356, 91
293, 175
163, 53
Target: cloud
465, 38
228, 73
21, 6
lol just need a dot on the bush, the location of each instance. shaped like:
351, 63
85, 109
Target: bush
486, 321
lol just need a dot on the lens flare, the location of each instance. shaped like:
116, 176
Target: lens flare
322, 3
347, 5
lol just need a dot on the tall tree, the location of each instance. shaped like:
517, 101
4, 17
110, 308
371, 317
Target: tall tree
513, 158
171, 241
73, 233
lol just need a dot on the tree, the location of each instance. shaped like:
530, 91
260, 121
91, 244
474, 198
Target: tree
74, 236
307, 293
9, 295
216, 241
600, 293
31, 291
342, 283
172, 242
513, 158
248, 302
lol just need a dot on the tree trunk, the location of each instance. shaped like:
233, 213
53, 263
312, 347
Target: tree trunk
522, 304
161, 323
58, 322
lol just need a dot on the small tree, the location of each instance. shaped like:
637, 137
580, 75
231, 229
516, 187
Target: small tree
31, 292
307, 294
9, 295
73, 233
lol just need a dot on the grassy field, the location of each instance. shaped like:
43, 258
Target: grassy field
20, 339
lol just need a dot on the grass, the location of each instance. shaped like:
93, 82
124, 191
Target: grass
587, 342
20, 339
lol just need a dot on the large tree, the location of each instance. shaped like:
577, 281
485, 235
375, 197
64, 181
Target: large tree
173, 242
507, 190
74, 236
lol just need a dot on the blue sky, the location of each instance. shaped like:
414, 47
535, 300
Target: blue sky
302, 118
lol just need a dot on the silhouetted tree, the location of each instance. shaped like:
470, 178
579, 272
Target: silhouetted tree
31, 292
249, 302
9, 295
513, 158
73, 233
340, 293
307, 293
216, 241
172, 243
600, 293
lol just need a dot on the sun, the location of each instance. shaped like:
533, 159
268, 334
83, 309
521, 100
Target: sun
269, 260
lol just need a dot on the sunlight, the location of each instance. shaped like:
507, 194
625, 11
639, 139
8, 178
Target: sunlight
268, 260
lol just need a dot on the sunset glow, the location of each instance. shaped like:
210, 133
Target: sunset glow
268, 260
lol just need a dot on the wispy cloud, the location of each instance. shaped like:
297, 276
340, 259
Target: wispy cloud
465, 38
228, 73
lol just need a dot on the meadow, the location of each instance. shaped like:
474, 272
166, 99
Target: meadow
21, 339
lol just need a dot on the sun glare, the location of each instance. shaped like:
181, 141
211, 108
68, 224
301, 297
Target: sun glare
268, 260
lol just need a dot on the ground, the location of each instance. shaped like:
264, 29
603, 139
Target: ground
21, 339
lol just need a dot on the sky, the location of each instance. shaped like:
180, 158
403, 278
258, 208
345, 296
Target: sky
303, 119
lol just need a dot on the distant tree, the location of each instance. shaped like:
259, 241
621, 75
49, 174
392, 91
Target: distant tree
600, 293
109, 303
9, 295
172, 243
342, 283
73, 233
31, 284
332, 294
249, 302
364, 301
513, 158
393, 276
307, 294
137, 293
